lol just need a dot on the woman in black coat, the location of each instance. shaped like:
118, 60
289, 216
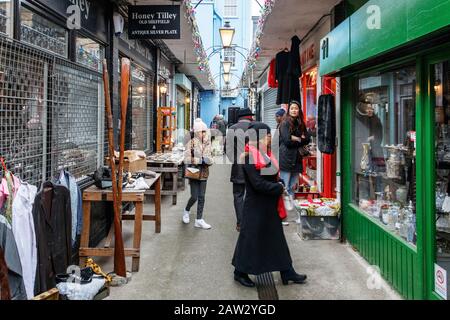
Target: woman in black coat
293, 136
262, 246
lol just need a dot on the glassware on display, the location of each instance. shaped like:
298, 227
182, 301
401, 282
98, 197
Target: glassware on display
384, 214
401, 194
394, 162
393, 217
379, 203
365, 159
410, 223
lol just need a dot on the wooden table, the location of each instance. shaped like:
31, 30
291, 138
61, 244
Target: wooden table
166, 167
93, 194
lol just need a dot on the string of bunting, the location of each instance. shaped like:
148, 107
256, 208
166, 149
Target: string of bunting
199, 50
255, 50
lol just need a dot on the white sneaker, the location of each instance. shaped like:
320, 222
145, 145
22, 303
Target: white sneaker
186, 218
201, 224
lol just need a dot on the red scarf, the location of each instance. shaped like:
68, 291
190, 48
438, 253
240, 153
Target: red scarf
260, 160
260, 163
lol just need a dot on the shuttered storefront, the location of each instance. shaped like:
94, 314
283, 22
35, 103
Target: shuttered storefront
270, 107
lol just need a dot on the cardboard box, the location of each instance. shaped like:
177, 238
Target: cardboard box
134, 160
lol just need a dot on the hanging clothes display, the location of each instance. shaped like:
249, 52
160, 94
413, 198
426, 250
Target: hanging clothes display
4, 283
24, 233
53, 226
282, 77
272, 76
76, 202
326, 131
8, 189
294, 70
12, 259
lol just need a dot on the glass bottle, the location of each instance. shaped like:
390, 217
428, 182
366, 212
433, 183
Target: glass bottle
411, 224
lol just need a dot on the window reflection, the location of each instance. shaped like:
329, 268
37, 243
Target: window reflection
38, 31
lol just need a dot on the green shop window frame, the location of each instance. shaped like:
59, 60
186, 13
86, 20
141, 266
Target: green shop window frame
409, 269
429, 168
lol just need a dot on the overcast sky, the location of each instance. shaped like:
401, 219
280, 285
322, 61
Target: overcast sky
256, 8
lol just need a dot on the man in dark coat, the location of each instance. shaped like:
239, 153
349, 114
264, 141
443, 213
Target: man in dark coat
262, 246
235, 148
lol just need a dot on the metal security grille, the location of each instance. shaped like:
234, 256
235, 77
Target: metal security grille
142, 102
51, 114
76, 130
151, 114
270, 107
23, 109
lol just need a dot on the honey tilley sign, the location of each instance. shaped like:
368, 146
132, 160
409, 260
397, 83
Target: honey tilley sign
154, 22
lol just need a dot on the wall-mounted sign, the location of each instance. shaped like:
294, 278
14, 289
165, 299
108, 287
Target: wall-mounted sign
91, 13
154, 22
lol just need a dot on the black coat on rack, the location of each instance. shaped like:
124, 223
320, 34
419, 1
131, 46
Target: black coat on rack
281, 75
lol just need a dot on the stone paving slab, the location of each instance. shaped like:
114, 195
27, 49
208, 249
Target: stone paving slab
188, 263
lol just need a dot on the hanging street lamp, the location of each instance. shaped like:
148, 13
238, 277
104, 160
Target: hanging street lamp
226, 77
227, 35
227, 66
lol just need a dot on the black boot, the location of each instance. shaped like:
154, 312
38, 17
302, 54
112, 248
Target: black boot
291, 275
243, 279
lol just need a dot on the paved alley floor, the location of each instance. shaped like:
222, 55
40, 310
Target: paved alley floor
183, 262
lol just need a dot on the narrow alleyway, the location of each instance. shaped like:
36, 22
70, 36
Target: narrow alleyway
183, 262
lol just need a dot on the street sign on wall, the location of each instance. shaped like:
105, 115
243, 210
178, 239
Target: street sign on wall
154, 22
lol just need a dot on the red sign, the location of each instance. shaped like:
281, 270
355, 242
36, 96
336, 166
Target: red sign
308, 54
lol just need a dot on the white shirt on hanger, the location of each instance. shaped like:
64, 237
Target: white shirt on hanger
24, 233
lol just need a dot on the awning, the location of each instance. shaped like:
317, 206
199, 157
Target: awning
288, 18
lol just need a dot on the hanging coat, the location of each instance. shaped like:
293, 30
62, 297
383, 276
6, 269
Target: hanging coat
53, 225
282, 77
326, 131
272, 77
5, 293
261, 246
294, 70
12, 259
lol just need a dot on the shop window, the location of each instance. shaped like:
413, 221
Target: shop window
90, 53
442, 112
140, 109
42, 33
6, 17
384, 149
230, 8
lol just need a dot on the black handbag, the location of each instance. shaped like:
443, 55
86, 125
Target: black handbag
304, 151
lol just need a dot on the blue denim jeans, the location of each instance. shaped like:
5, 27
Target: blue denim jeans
290, 179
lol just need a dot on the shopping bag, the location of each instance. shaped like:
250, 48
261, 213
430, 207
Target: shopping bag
281, 208
192, 173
